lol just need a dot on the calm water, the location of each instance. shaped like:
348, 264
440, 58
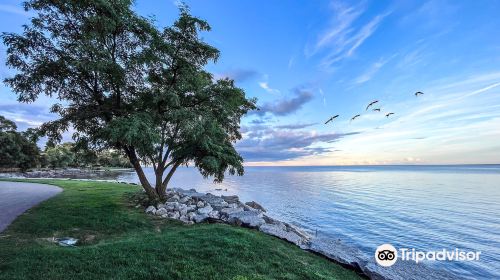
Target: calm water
421, 207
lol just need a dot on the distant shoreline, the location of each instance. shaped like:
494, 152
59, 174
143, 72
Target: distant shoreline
77, 173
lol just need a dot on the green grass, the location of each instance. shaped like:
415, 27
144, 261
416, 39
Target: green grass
120, 242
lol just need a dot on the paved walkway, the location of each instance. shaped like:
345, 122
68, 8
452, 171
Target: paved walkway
16, 197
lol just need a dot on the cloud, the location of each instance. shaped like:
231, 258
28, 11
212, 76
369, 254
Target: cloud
12, 9
291, 62
266, 87
263, 143
341, 26
295, 126
258, 121
452, 123
286, 106
239, 75
343, 37
372, 70
323, 96
26, 115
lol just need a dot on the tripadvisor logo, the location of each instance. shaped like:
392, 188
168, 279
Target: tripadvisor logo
387, 255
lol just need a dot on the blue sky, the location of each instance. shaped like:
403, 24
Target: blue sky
308, 60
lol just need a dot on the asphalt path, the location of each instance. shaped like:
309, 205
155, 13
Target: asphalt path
17, 197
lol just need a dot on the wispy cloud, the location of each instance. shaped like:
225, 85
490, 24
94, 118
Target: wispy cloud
291, 62
266, 87
12, 9
344, 37
295, 126
454, 122
372, 70
323, 96
341, 25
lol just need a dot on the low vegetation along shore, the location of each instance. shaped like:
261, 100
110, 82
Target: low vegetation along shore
117, 241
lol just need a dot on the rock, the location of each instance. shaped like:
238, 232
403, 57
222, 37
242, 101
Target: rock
191, 208
251, 219
299, 232
183, 209
161, 211
160, 205
172, 205
215, 201
232, 205
231, 198
174, 215
270, 220
255, 205
184, 199
200, 218
248, 208
174, 198
184, 218
205, 210
338, 251
200, 204
191, 215
66, 241
214, 215
281, 232
151, 210
227, 211
164, 216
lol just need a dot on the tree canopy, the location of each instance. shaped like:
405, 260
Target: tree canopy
16, 149
127, 84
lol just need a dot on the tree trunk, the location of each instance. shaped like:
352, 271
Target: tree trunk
163, 185
159, 177
150, 191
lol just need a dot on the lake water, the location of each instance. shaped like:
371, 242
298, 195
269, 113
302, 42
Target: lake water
428, 208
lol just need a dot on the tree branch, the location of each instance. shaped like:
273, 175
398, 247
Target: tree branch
170, 174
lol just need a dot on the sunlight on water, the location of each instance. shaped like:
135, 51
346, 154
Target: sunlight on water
421, 207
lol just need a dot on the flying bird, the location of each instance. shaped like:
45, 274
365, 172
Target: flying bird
331, 119
388, 114
371, 103
376, 109
353, 118
418, 93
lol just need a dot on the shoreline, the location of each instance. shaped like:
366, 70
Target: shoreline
110, 233
330, 248
190, 206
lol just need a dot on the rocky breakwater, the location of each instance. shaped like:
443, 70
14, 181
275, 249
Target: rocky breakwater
192, 207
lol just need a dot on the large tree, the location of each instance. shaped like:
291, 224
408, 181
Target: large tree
125, 84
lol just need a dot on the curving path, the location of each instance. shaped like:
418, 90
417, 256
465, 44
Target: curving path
17, 197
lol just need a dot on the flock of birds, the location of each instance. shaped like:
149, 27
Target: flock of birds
368, 107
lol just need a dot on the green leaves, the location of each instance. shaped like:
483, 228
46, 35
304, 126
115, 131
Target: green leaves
17, 149
7, 125
137, 130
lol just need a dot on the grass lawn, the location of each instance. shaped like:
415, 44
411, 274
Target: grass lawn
121, 242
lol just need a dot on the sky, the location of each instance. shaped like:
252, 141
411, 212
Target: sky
306, 61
